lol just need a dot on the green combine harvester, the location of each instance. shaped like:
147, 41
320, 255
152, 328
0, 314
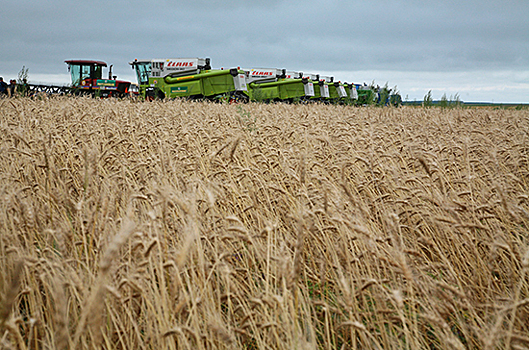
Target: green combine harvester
366, 95
192, 78
271, 84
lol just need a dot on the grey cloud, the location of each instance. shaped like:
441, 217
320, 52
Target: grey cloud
307, 35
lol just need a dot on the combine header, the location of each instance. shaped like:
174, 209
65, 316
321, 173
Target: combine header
87, 78
188, 77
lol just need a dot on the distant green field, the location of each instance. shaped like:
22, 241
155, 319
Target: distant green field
471, 104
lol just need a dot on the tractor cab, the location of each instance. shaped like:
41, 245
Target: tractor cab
87, 77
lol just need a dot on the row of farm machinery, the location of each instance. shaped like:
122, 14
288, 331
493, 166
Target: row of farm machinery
194, 78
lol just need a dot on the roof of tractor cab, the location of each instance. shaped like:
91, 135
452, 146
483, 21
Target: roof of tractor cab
86, 62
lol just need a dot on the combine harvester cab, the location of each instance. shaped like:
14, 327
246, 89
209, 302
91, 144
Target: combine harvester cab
87, 78
188, 77
143, 74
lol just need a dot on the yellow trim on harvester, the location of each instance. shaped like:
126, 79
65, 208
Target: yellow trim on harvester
186, 77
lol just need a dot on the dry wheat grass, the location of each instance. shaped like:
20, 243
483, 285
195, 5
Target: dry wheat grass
178, 225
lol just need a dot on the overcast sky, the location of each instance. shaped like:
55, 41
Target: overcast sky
476, 49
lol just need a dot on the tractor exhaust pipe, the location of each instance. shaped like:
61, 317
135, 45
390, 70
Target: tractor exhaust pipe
110, 76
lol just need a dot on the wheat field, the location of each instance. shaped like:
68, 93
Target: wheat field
191, 225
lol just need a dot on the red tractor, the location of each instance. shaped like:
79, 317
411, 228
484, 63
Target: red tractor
87, 78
